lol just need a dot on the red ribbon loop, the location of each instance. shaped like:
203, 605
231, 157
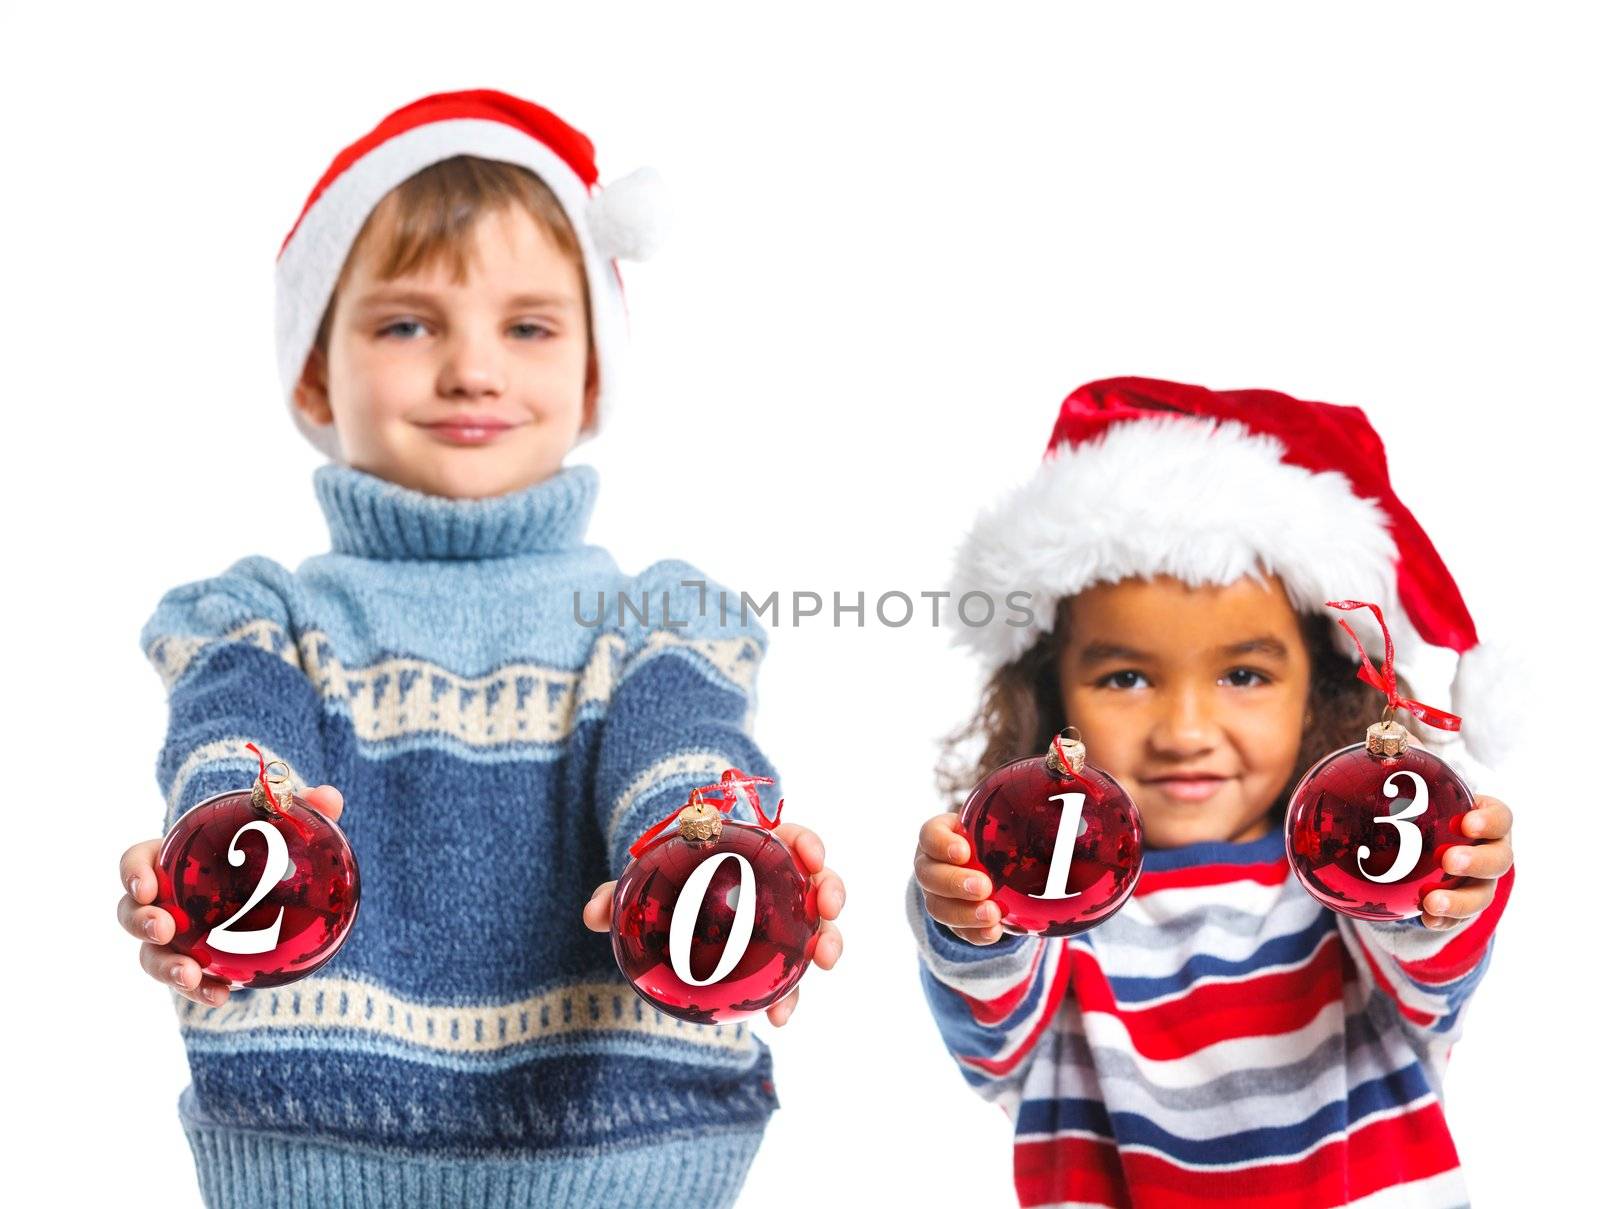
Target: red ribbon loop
724, 795
1385, 681
265, 788
1061, 751
279, 808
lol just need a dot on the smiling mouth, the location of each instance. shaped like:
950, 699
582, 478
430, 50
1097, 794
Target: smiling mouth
1188, 789
458, 432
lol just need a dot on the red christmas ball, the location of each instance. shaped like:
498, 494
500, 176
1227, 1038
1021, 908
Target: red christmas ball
1059, 838
261, 894
1366, 827
714, 919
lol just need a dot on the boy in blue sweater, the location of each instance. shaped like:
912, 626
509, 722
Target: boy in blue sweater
449, 320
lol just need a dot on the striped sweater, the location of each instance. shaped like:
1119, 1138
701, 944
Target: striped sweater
1223, 1035
472, 1043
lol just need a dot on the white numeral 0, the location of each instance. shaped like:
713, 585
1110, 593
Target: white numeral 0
260, 940
1410, 838
1067, 833
687, 913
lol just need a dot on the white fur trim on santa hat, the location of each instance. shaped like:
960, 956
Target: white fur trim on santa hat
309, 265
1204, 501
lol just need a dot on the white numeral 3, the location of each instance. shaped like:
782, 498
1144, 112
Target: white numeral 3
1410, 837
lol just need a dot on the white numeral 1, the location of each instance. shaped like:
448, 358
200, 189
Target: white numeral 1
1410, 838
687, 913
1067, 833
259, 940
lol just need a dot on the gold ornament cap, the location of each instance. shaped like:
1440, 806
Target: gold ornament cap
699, 822
1388, 739
280, 783
1067, 754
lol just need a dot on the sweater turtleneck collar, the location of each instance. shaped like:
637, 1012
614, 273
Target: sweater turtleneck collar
370, 517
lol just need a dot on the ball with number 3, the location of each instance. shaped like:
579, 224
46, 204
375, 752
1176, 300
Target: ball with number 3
1367, 825
261, 887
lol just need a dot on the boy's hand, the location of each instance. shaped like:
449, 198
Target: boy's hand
956, 896
829, 889
155, 926
1481, 863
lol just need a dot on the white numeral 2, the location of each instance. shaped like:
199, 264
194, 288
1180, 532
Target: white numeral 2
260, 940
1067, 833
687, 913
1410, 838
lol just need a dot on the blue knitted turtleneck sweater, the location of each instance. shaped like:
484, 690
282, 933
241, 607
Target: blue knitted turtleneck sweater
472, 1043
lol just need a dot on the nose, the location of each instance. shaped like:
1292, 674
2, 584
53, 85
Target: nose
1185, 727
472, 367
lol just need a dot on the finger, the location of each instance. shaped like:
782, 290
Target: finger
805, 844
780, 1012
137, 870
328, 801
597, 911
830, 894
941, 840
951, 881
212, 992
1489, 819
1466, 899
829, 947
980, 936
1490, 859
958, 913
183, 975
147, 923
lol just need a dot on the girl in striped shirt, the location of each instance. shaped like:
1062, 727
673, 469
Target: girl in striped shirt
1223, 1034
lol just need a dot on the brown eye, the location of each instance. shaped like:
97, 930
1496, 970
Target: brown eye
1125, 678
1243, 677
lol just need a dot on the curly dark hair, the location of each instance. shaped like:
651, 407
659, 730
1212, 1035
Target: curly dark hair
1020, 710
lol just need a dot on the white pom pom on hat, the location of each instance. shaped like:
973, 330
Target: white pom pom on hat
1143, 477
625, 220
630, 216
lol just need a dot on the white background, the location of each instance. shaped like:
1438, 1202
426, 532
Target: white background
904, 233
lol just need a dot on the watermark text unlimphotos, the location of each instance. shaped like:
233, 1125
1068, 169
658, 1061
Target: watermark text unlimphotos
893, 609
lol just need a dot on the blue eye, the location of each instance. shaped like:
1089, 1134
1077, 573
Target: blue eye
1243, 677
1126, 678
398, 324
533, 330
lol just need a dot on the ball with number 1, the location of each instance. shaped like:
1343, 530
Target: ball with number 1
1062, 842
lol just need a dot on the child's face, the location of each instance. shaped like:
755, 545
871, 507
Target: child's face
509, 344
1194, 699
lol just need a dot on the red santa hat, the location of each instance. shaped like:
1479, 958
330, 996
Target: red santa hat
623, 221
1143, 477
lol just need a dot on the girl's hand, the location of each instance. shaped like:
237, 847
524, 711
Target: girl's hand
827, 884
1489, 823
956, 896
155, 926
